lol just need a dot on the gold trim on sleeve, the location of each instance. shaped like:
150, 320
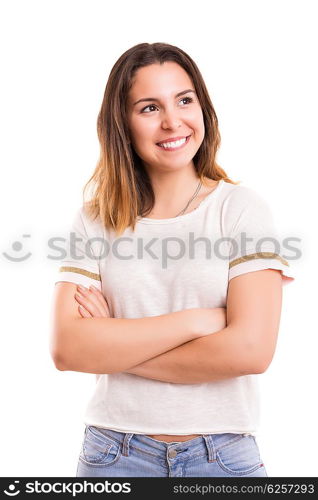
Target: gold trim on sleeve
78, 270
258, 255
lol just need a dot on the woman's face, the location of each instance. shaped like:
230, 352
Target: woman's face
165, 118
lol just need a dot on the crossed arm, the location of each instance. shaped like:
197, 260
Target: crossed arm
241, 343
200, 360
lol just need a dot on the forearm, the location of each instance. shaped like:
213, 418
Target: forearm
107, 345
218, 356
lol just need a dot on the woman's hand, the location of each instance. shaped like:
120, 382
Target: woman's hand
92, 303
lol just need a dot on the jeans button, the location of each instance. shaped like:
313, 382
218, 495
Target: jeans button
172, 453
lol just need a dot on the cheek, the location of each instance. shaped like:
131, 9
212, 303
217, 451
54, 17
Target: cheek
143, 132
200, 125
195, 120
198, 118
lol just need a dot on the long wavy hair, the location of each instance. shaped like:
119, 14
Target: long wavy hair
122, 189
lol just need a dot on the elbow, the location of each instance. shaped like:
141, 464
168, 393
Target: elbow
78, 364
57, 355
258, 367
58, 362
60, 366
260, 362
62, 349
263, 364
55, 350
256, 358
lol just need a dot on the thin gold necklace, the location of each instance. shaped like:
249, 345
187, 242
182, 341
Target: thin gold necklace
196, 192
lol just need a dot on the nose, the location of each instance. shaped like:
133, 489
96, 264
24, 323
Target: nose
170, 119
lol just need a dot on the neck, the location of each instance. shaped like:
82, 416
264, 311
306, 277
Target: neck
174, 189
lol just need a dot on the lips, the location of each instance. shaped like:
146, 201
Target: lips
174, 144
172, 139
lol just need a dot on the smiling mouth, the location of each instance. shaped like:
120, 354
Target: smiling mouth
174, 145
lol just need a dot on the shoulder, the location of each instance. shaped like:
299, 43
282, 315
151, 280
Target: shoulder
237, 198
239, 192
243, 208
89, 223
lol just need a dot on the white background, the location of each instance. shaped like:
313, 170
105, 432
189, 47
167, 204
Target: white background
258, 59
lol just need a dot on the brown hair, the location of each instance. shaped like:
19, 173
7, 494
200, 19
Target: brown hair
122, 187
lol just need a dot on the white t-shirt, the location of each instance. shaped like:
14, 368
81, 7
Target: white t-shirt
161, 268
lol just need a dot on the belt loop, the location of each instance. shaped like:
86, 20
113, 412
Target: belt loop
125, 448
210, 447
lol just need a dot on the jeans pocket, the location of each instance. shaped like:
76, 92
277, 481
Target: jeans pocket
240, 456
98, 449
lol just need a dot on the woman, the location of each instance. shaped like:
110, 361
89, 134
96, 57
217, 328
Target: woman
186, 300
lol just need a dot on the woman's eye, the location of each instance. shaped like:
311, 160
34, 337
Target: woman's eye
148, 107
187, 99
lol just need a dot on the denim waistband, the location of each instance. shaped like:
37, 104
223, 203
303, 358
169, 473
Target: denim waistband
212, 442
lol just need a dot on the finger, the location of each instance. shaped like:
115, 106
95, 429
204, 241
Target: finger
88, 305
100, 297
83, 312
90, 302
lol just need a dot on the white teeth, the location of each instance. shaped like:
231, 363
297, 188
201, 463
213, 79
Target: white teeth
175, 144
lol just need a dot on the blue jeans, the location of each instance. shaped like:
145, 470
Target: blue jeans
107, 453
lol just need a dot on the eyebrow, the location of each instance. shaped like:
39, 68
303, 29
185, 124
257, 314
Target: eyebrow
147, 99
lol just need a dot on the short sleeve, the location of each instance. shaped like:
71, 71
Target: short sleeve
254, 240
80, 264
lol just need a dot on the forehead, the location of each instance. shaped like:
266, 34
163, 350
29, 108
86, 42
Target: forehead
158, 80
